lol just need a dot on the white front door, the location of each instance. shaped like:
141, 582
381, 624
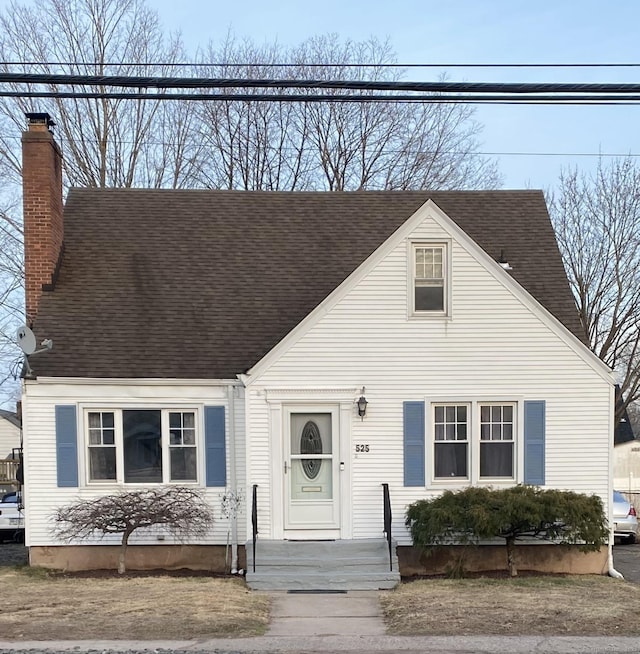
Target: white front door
312, 471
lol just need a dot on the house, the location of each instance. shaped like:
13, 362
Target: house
10, 444
9, 434
305, 352
623, 432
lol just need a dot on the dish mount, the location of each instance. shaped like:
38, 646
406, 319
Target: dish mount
26, 340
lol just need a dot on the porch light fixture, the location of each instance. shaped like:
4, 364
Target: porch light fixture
362, 405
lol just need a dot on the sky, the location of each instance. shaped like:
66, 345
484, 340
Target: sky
463, 32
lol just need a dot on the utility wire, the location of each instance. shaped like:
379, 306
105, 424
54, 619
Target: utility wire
127, 81
505, 99
155, 142
250, 64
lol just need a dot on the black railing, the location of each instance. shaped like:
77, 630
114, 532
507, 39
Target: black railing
386, 502
254, 521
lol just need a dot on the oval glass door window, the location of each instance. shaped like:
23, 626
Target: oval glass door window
311, 443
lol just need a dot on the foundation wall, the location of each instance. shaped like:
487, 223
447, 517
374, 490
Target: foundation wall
72, 558
561, 559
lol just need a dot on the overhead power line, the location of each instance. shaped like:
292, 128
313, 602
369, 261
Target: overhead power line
265, 64
583, 99
153, 141
334, 90
127, 81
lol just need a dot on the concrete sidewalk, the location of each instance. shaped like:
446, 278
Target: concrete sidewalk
355, 613
349, 622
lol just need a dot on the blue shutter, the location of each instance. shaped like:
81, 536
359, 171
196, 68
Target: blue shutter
215, 452
66, 445
534, 432
414, 443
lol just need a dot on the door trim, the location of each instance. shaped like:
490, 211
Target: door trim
299, 399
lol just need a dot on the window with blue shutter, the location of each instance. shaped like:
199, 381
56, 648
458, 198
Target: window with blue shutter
534, 436
414, 444
66, 446
215, 451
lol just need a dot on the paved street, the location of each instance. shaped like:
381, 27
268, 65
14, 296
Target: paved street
354, 643
626, 560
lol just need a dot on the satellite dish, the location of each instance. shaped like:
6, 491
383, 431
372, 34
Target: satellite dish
26, 340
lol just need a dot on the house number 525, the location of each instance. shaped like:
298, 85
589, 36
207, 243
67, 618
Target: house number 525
362, 448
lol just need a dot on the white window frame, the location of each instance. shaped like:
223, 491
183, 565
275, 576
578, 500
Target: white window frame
473, 440
437, 442
99, 446
165, 410
445, 246
513, 440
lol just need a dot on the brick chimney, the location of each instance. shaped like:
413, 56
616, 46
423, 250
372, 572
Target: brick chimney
42, 203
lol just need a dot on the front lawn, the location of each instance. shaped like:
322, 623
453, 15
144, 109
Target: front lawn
44, 606
529, 606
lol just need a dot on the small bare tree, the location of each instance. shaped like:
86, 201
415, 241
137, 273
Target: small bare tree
180, 510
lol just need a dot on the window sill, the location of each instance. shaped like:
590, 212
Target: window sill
125, 485
429, 315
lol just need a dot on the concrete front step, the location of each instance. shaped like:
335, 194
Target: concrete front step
322, 565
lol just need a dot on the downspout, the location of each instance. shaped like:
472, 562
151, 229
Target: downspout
612, 403
233, 517
612, 571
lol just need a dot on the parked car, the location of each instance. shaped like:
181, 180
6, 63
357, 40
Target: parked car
625, 520
11, 517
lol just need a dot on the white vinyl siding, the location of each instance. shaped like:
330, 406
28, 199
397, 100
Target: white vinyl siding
493, 349
43, 496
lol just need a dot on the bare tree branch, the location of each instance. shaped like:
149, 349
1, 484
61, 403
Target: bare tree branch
179, 510
597, 222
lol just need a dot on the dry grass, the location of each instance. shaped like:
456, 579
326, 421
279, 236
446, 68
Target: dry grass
559, 606
38, 606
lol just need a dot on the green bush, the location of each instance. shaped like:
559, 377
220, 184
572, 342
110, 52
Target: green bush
478, 513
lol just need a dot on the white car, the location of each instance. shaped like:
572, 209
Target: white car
11, 517
625, 520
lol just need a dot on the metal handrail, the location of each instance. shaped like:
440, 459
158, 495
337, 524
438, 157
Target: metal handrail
254, 521
386, 502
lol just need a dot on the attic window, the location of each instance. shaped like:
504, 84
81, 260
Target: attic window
430, 279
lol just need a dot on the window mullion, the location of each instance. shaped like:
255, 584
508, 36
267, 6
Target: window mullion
117, 423
474, 440
164, 443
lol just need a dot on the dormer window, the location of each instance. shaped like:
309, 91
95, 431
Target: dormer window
430, 273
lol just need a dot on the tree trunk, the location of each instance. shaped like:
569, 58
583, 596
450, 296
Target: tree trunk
511, 556
122, 568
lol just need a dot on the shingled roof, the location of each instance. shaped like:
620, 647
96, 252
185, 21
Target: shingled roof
202, 284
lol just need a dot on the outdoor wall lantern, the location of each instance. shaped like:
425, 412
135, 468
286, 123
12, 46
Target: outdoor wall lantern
362, 405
